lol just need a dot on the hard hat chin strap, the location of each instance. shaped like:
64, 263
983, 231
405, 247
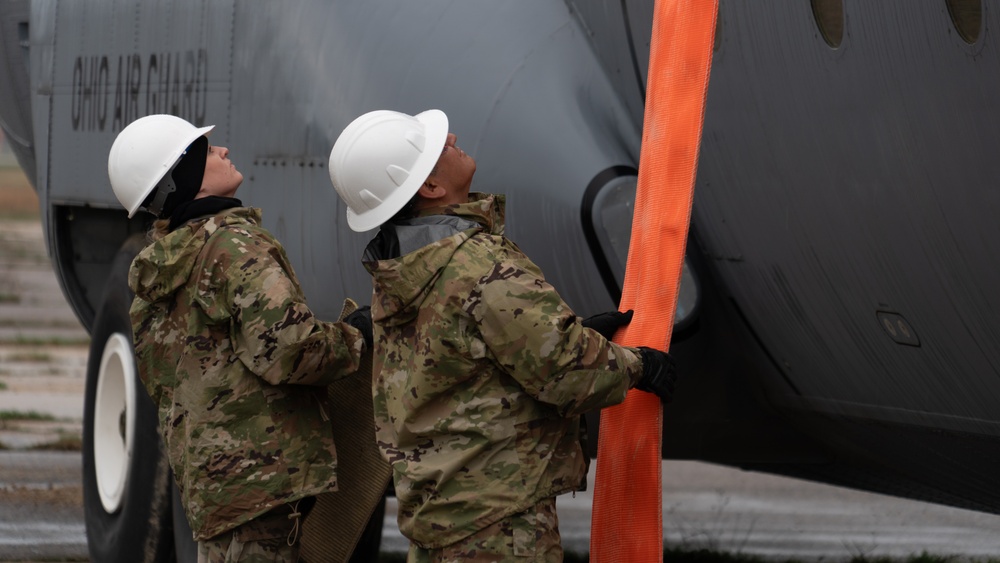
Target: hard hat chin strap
164, 188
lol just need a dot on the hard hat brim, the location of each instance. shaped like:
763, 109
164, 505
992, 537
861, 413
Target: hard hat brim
436, 132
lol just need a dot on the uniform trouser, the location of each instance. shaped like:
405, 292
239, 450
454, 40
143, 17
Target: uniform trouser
272, 537
530, 536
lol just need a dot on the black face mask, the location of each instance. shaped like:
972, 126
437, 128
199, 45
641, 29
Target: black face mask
183, 182
187, 175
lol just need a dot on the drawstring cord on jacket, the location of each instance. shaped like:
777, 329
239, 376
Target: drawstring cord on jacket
293, 536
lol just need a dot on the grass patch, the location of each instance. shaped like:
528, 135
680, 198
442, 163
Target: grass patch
3, 386
30, 357
9, 298
47, 341
40, 323
66, 442
25, 415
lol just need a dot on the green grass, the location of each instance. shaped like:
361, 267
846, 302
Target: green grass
29, 357
25, 415
48, 341
40, 323
66, 442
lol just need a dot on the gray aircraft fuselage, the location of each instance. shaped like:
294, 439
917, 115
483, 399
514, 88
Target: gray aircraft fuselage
845, 238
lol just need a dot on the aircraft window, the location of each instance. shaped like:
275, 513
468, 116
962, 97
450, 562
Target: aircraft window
607, 217
967, 15
607, 209
829, 16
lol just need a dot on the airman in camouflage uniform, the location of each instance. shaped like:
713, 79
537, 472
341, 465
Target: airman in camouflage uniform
481, 370
237, 366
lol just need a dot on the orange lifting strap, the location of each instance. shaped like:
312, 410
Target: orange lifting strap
627, 523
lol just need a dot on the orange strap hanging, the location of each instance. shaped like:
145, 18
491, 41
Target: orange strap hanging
627, 523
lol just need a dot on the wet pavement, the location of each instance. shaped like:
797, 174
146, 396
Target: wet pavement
43, 347
43, 362
704, 507
41, 507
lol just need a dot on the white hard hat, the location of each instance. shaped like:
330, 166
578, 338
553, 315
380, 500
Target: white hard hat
144, 152
380, 161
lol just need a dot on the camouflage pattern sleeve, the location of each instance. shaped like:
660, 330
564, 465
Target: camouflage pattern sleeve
542, 344
275, 333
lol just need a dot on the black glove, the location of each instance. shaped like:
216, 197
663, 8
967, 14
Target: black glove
361, 319
658, 375
607, 323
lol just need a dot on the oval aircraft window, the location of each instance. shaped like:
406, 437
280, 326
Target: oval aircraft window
829, 16
967, 15
607, 212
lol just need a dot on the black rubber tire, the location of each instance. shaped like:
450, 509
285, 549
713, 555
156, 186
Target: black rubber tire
141, 529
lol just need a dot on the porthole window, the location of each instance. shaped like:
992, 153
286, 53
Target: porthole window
829, 16
967, 15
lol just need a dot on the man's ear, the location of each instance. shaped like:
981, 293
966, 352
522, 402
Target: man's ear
431, 190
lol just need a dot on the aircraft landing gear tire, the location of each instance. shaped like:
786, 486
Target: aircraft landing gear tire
126, 477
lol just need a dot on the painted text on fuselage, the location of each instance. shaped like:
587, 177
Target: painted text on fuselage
111, 91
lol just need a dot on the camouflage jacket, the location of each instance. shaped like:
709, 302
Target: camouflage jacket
481, 373
237, 366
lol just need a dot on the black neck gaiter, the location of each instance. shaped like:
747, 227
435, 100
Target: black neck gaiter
201, 207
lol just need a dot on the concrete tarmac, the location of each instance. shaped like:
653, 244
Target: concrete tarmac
704, 507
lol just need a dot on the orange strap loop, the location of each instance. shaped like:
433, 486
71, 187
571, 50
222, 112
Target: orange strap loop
627, 523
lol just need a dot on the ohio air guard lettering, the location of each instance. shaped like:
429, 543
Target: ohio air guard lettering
111, 91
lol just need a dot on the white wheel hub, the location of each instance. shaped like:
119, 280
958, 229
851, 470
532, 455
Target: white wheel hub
114, 420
